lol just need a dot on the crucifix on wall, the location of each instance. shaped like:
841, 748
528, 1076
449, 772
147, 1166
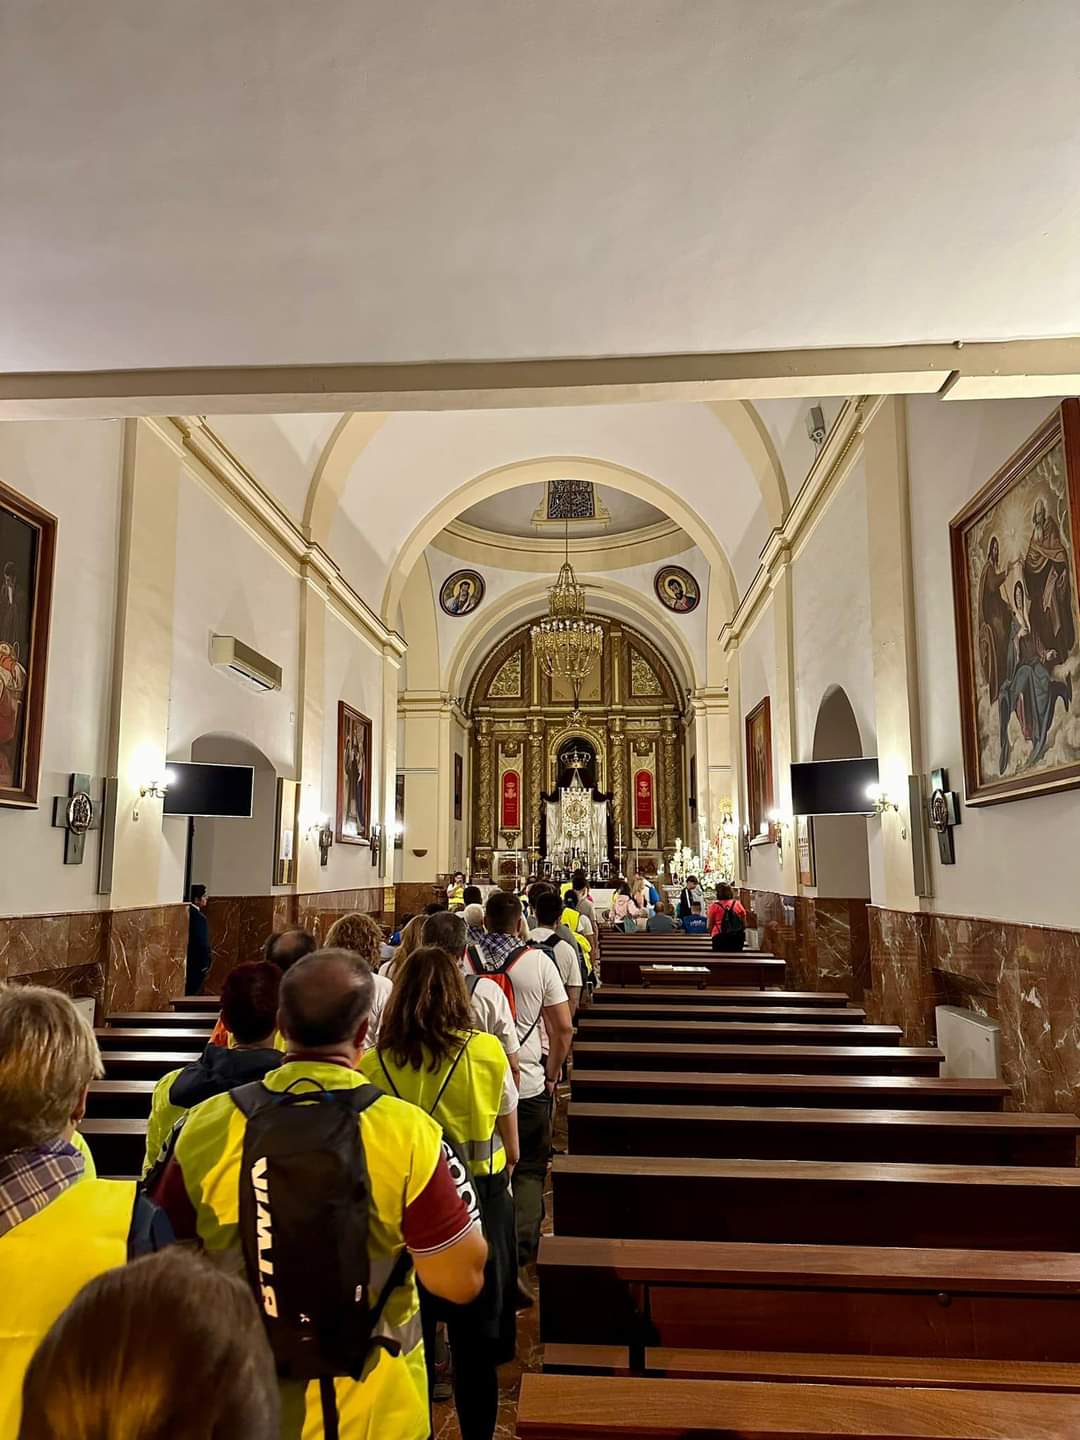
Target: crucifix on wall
76, 814
944, 810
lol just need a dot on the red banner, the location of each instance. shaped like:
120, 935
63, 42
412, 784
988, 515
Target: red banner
511, 801
644, 819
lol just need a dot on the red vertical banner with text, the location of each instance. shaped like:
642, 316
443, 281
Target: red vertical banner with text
511, 800
644, 815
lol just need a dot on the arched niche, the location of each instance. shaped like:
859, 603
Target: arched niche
840, 841
236, 857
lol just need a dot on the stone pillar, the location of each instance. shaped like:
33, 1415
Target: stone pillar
310, 719
783, 718
617, 769
485, 763
391, 670
669, 783
892, 616
536, 780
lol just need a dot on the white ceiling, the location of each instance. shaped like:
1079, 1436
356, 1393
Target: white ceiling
511, 514
264, 182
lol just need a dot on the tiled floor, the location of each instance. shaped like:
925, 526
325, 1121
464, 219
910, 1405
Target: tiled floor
529, 1349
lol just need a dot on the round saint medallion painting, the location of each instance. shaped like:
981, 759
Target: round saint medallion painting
677, 589
462, 593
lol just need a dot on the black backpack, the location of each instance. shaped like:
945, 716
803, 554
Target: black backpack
305, 1199
730, 922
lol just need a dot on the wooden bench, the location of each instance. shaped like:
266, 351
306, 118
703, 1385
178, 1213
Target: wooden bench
723, 995
564, 1407
145, 1064
796, 1368
145, 1038
920, 1137
878, 1092
209, 1003
118, 1145
752, 1059
743, 1032
746, 970
114, 1099
807, 1202
164, 1019
843, 1299
777, 1014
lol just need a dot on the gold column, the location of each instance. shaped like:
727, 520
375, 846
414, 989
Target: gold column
617, 760
670, 783
486, 786
536, 778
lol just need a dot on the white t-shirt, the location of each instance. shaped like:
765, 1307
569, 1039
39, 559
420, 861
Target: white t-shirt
537, 984
493, 1014
384, 988
565, 955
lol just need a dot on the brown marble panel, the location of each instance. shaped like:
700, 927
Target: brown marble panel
318, 910
904, 990
411, 898
147, 957
239, 927
77, 981
843, 945
33, 943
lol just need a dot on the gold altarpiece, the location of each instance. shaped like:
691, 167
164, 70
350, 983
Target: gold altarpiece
632, 720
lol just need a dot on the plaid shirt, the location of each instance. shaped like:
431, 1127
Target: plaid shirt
30, 1178
493, 949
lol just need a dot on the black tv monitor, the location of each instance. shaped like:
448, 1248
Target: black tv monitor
833, 787
210, 791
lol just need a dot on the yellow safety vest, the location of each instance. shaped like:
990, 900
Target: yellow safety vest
402, 1148
470, 1104
570, 919
163, 1116
44, 1263
89, 1168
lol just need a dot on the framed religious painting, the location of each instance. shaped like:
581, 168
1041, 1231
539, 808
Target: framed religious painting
462, 592
353, 776
27, 561
804, 845
1015, 560
459, 784
759, 772
676, 589
399, 811
286, 825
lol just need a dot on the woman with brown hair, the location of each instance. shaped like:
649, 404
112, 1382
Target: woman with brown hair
431, 1054
412, 937
167, 1348
361, 935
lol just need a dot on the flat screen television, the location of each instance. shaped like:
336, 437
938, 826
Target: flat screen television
833, 787
210, 791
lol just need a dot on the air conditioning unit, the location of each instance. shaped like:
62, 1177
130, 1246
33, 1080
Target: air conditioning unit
244, 664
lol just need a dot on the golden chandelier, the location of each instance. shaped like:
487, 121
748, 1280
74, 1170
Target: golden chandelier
565, 642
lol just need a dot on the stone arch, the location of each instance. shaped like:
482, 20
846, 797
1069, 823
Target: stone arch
423, 670
723, 592
751, 434
348, 440
841, 842
494, 622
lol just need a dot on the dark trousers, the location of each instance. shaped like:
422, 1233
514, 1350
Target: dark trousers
534, 1134
476, 1381
729, 943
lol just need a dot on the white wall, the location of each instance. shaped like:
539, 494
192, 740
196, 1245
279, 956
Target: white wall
757, 662
74, 471
236, 856
1016, 861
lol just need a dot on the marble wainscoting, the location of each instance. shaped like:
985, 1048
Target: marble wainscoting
411, 898
125, 959
240, 924
825, 941
1026, 977
318, 911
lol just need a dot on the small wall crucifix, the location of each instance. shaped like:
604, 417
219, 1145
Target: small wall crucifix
944, 811
76, 814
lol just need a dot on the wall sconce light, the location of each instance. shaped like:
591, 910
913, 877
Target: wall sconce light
321, 828
776, 823
153, 790
883, 802
376, 841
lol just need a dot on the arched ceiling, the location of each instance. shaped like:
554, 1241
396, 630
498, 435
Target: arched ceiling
522, 513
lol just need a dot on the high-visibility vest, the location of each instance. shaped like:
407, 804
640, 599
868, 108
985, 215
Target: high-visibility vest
570, 919
402, 1147
89, 1168
44, 1263
163, 1116
470, 1104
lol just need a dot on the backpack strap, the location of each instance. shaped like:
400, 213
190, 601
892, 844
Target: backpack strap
449, 1076
474, 959
252, 1099
512, 959
386, 1072
471, 982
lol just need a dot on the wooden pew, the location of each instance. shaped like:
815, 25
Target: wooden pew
803, 1202
752, 1059
759, 970
118, 1146
119, 1099
564, 1407
841, 1299
725, 995
145, 1064
878, 1092
209, 1003
739, 1032
163, 1019
145, 1038
919, 1137
779, 1013
797, 1368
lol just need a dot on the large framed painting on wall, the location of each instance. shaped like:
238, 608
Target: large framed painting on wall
1015, 559
27, 561
353, 776
759, 771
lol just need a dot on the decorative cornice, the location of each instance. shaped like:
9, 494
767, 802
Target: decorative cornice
657, 542
193, 439
842, 447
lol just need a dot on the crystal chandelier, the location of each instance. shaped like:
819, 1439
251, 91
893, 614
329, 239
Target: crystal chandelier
565, 642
